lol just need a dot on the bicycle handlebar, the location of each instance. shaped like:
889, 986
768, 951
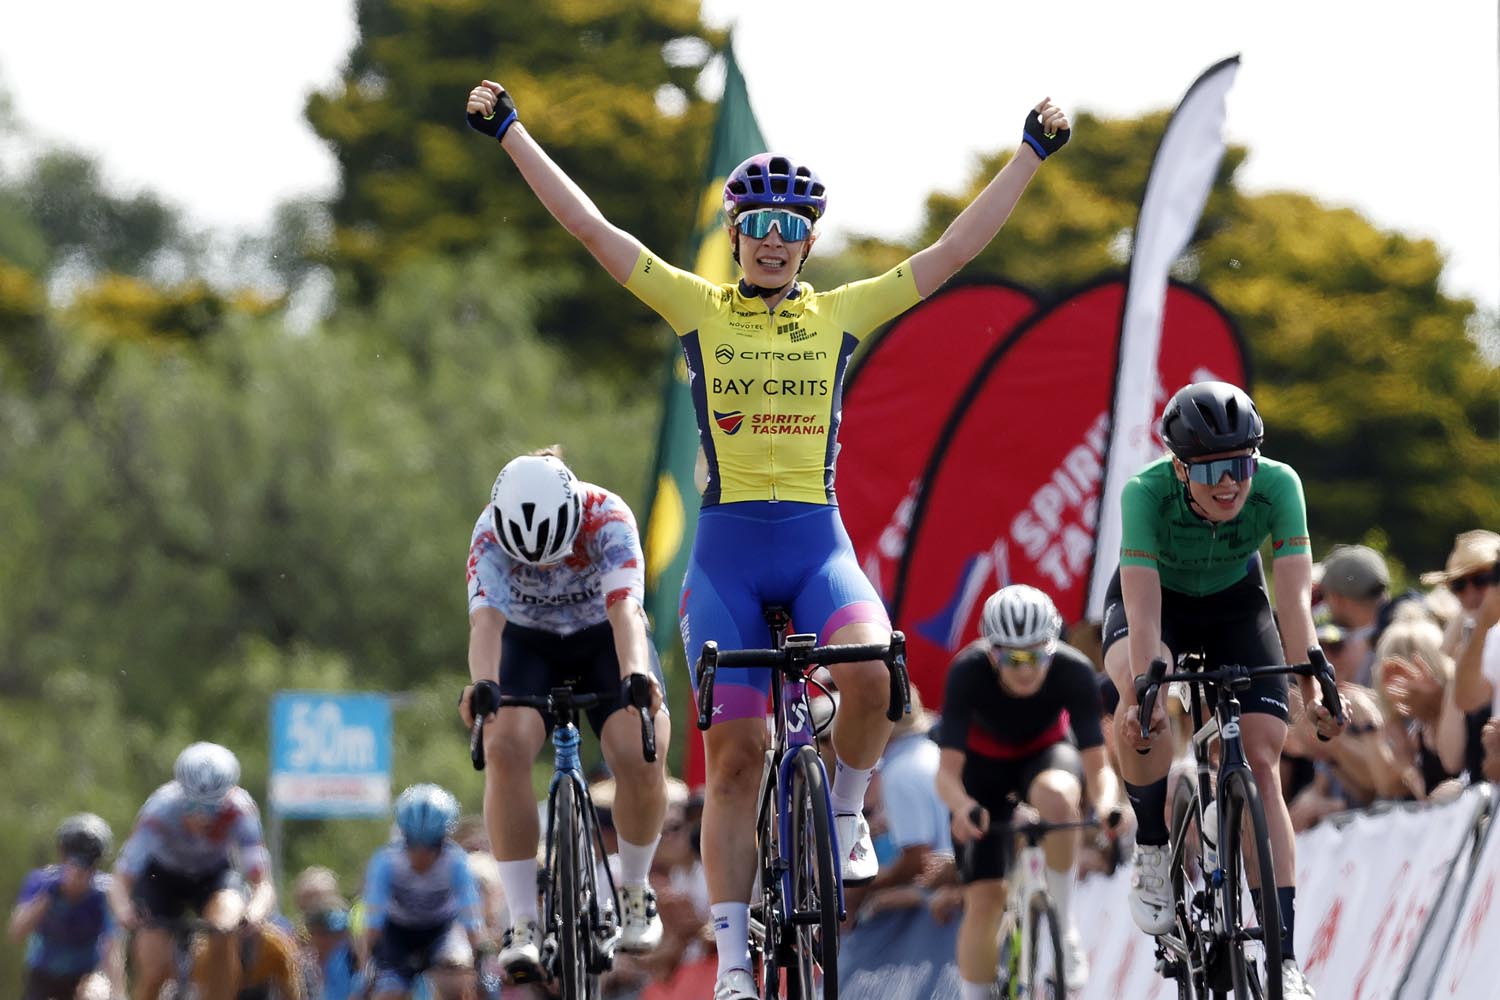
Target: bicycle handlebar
638, 694
798, 654
1317, 667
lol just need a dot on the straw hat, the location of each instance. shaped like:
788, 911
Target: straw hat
1472, 550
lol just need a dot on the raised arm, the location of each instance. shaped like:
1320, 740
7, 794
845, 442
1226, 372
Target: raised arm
1045, 132
492, 112
1471, 689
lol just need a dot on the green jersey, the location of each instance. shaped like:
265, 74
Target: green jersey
1197, 557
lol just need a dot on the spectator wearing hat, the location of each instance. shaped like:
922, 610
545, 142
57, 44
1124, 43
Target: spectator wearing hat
1356, 589
1476, 678
1469, 575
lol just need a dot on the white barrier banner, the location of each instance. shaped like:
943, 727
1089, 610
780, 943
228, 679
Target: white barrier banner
1468, 968
1365, 890
1122, 960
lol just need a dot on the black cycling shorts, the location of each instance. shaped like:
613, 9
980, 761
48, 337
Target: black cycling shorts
998, 785
45, 986
164, 896
1233, 626
534, 661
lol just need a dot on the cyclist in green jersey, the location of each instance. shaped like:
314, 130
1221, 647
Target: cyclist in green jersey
1190, 577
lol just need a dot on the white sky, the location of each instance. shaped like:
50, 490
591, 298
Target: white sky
1391, 108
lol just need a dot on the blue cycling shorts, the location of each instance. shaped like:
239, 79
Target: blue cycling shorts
756, 553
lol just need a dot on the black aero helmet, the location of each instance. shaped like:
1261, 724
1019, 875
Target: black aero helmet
1206, 418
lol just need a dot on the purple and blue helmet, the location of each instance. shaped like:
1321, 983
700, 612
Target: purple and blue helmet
774, 180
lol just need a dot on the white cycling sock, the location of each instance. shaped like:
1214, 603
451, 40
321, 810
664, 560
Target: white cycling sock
1060, 888
732, 935
849, 784
518, 879
975, 991
635, 860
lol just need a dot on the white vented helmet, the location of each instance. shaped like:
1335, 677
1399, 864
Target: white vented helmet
1021, 617
206, 772
537, 509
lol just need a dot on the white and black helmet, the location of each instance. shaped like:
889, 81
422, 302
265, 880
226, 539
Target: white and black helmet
206, 772
1021, 617
537, 508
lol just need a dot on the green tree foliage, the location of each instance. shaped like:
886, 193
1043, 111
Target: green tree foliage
1370, 382
78, 219
586, 77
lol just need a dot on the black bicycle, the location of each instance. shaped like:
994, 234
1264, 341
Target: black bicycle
579, 923
794, 921
1210, 950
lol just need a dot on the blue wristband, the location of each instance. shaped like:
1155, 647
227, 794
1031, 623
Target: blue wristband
505, 125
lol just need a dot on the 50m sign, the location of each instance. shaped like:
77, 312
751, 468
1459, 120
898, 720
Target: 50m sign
330, 754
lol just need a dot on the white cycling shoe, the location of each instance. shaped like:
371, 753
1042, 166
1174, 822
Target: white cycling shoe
1075, 960
640, 929
1150, 892
736, 984
521, 952
1294, 985
858, 863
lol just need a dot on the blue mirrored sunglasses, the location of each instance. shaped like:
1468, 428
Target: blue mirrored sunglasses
758, 222
1239, 468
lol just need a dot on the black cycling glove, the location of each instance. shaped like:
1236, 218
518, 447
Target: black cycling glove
484, 699
497, 124
1044, 144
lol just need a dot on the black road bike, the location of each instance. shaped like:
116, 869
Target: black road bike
1212, 948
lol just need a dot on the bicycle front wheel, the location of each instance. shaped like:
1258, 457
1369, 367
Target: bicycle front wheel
1241, 799
813, 910
574, 880
1044, 951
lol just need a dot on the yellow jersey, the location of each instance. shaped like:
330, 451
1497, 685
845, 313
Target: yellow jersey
768, 388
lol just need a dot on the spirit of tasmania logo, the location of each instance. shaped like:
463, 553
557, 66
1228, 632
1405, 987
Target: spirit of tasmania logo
729, 422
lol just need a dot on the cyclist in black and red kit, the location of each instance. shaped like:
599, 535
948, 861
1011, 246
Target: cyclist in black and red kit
1012, 699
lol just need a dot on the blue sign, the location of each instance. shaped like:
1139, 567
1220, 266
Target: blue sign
330, 754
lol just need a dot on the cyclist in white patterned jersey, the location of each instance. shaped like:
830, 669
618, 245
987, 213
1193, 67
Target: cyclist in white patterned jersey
188, 839
556, 579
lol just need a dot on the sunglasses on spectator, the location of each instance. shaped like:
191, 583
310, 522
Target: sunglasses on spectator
1239, 468
1014, 658
1484, 578
758, 223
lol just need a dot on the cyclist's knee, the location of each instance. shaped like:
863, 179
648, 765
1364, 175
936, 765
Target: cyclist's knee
512, 741
984, 899
864, 689
734, 760
1055, 794
1264, 736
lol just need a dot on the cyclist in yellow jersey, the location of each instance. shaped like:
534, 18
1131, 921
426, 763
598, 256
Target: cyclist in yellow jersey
767, 357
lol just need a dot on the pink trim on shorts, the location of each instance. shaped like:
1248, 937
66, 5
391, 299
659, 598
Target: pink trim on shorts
739, 701
866, 612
